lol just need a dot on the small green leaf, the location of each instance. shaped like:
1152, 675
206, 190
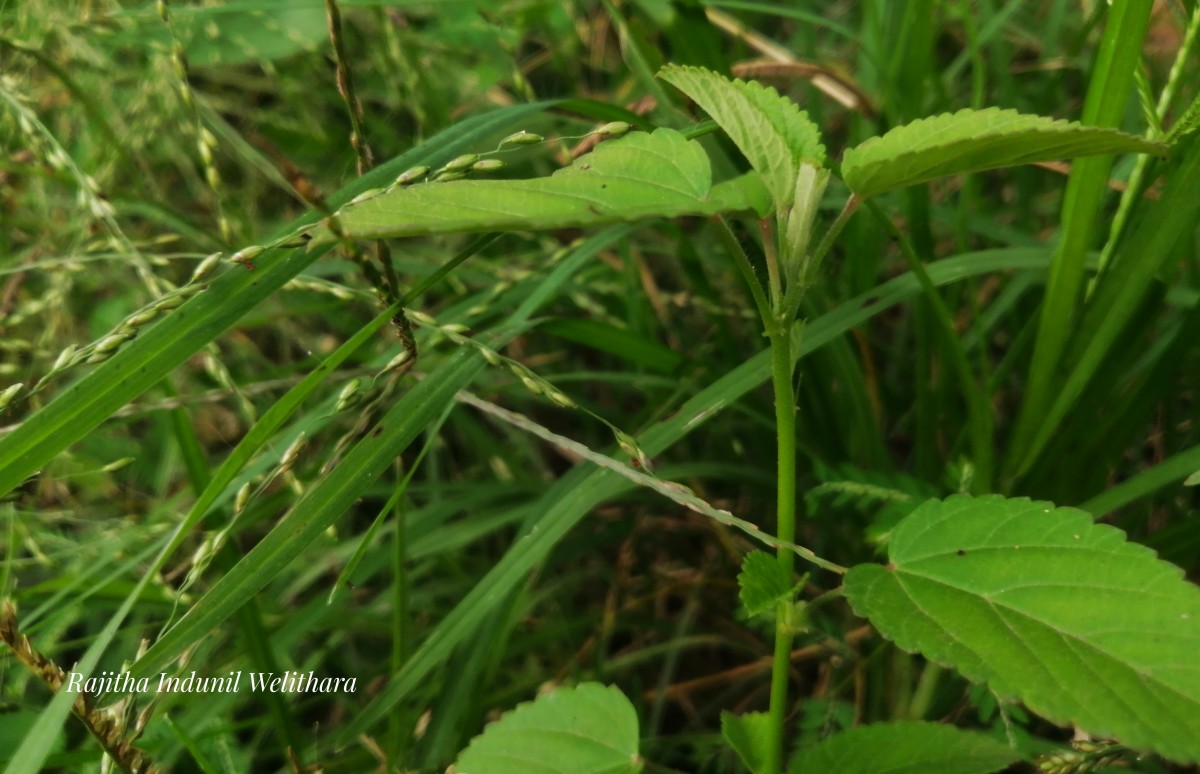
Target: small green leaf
774, 135
904, 748
972, 141
750, 737
1048, 607
640, 176
1192, 480
764, 583
589, 729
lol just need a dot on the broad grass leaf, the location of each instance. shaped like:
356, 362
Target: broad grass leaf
750, 737
973, 141
774, 135
643, 175
904, 748
763, 583
1049, 608
588, 729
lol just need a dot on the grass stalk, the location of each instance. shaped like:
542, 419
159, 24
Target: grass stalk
1120, 53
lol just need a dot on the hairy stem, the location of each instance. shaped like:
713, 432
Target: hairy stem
785, 429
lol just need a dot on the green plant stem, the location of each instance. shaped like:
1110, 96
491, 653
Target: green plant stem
785, 529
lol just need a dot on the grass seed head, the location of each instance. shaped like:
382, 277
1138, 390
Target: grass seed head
109, 344
420, 318
10, 394
243, 497
205, 267
116, 465
141, 318
350, 396
397, 361
532, 385
614, 129
411, 176
560, 398
522, 138
64, 359
461, 163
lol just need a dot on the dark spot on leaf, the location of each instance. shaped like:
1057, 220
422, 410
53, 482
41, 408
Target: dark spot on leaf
961, 552
594, 211
870, 301
890, 565
378, 431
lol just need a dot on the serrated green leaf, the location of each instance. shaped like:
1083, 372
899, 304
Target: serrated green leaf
904, 748
588, 729
973, 141
1047, 607
750, 737
661, 174
774, 135
763, 583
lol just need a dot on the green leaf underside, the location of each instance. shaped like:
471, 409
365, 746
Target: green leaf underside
904, 748
661, 174
772, 133
750, 737
589, 729
1047, 607
764, 583
973, 141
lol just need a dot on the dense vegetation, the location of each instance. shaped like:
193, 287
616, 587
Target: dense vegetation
453, 347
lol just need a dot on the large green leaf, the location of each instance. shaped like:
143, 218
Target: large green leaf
904, 748
774, 135
589, 729
661, 174
1048, 607
972, 141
